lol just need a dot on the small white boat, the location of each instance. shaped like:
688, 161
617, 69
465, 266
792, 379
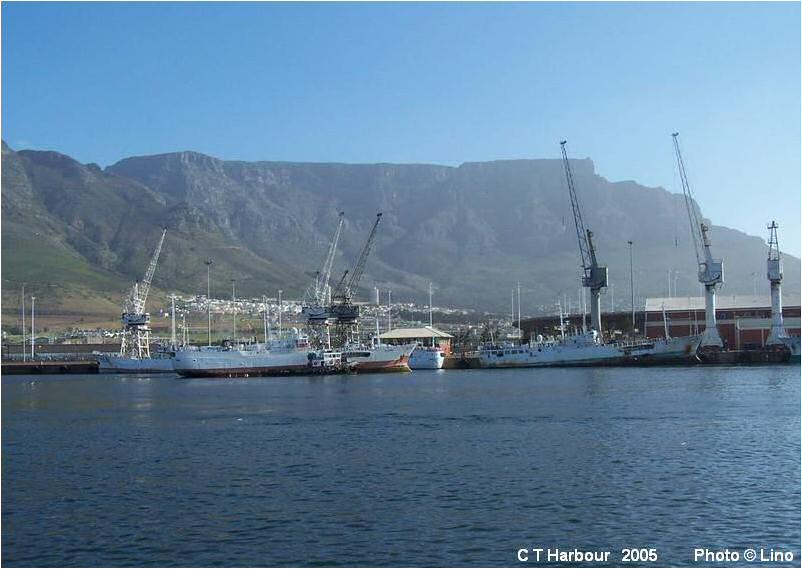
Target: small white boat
426, 358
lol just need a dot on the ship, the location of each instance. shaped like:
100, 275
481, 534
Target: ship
160, 361
585, 349
281, 356
425, 357
377, 359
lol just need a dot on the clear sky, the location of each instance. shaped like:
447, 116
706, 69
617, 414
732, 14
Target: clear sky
433, 83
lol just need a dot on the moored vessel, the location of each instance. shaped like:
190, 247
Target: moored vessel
585, 349
381, 358
158, 362
424, 357
282, 356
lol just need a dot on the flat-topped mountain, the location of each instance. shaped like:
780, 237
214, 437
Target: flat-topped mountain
474, 230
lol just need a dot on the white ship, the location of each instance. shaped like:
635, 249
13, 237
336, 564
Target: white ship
586, 350
382, 358
423, 357
285, 356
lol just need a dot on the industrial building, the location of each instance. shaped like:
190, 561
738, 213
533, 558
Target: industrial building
742, 321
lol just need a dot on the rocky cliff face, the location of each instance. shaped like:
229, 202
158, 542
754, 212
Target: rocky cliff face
473, 230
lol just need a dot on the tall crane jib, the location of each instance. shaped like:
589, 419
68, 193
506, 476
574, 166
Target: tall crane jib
342, 298
594, 276
136, 329
317, 298
711, 271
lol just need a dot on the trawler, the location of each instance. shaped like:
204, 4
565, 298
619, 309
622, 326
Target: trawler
279, 356
586, 349
375, 359
427, 357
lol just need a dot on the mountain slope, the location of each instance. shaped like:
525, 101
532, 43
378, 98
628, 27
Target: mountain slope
474, 230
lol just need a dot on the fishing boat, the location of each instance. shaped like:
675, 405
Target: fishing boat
381, 358
426, 357
585, 349
290, 355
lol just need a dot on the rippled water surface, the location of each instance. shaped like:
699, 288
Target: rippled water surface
430, 468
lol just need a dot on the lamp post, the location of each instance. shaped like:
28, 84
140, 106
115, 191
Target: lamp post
612, 298
279, 312
24, 353
234, 305
33, 325
264, 315
632, 286
208, 264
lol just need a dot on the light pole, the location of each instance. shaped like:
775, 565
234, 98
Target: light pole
173, 339
24, 352
209, 298
612, 298
279, 312
520, 332
33, 325
430, 305
632, 286
264, 315
234, 305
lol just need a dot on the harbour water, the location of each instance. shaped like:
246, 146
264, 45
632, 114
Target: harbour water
437, 468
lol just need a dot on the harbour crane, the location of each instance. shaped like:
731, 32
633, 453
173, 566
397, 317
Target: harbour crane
710, 270
594, 276
318, 296
342, 296
136, 329
774, 272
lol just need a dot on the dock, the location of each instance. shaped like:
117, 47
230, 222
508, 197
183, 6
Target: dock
49, 367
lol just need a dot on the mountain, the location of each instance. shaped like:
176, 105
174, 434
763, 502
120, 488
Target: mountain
474, 230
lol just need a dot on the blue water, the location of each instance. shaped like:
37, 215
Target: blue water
441, 468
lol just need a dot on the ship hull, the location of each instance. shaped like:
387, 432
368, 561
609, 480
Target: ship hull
380, 359
256, 371
237, 363
119, 364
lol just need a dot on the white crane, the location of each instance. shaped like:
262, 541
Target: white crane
317, 298
710, 269
594, 276
136, 329
774, 272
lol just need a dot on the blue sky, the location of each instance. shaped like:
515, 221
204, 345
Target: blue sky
434, 83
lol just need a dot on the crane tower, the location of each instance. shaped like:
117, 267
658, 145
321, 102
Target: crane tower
774, 272
710, 269
136, 322
342, 306
317, 299
594, 276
